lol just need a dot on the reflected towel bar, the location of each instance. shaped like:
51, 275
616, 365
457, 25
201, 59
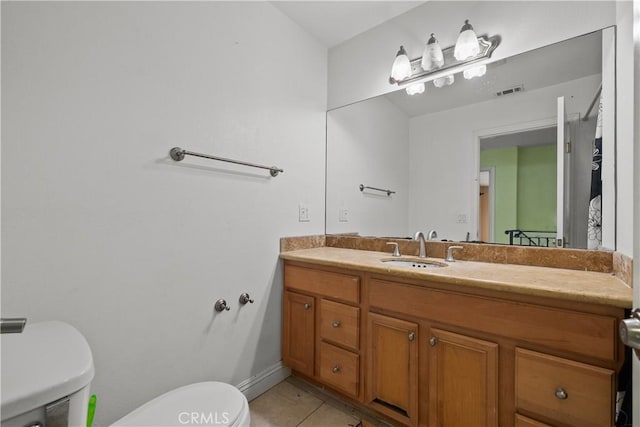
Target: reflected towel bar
389, 192
178, 154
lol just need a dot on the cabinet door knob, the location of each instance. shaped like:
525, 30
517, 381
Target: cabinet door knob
412, 336
307, 306
335, 369
561, 393
433, 341
336, 324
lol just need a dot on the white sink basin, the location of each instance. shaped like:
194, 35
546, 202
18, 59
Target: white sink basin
414, 263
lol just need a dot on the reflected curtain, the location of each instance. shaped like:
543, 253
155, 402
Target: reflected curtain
594, 230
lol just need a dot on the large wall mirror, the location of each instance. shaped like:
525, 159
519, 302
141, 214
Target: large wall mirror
504, 158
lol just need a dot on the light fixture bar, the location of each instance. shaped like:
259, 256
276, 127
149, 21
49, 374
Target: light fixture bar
487, 46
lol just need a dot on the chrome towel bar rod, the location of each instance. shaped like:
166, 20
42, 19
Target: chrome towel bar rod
178, 154
389, 192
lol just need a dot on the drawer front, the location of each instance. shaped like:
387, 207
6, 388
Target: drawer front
339, 323
339, 368
591, 335
334, 285
528, 422
564, 390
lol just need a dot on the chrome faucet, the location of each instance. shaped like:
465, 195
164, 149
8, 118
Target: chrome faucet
423, 249
432, 234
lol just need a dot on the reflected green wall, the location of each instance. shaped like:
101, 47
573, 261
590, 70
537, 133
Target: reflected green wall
505, 162
537, 188
525, 188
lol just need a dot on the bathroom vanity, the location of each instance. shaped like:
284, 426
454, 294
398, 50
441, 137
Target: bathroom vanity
470, 343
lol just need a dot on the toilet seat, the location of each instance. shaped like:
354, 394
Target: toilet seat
202, 404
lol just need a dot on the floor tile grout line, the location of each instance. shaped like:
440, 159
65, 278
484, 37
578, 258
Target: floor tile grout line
313, 412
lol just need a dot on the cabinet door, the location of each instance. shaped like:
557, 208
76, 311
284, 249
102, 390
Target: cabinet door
392, 386
298, 332
463, 381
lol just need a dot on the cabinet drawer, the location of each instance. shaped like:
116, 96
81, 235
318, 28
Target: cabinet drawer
339, 368
528, 422
564, 390
334, 285
339, 323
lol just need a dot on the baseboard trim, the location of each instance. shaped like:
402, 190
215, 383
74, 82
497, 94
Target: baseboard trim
263, 381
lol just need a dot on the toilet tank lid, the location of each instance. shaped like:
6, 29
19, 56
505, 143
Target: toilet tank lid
46, 362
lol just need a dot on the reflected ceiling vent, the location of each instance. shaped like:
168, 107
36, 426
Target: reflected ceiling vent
511, 91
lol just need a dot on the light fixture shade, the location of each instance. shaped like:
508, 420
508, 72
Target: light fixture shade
467, 44
401, 68
416, 89
432, 56
444, 81
475, 72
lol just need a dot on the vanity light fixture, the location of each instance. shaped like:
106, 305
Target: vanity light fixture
440, 65
416, 89
467, 44
432, 57
401, 68
478, 71
444, 81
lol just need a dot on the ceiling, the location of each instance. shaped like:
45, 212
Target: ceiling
333, 22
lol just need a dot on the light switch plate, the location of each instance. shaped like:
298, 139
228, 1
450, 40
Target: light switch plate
303, 212
343, 215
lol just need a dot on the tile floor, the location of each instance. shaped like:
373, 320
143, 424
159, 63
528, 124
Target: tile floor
288, 405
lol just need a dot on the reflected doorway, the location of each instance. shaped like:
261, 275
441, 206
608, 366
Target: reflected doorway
518, 186
486, 204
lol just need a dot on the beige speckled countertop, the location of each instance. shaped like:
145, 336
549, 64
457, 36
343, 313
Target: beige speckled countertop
584, 286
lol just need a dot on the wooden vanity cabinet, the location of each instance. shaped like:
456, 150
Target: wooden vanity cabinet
321, 327
298, 347
463, 380
489, 358
440, 355
392, 367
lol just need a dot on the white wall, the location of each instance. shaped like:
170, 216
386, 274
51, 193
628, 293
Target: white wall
359, 68
102, 230
626, 111
444, 149
368, 143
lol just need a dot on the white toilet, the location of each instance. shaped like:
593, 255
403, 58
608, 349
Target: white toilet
201, 404
46, 374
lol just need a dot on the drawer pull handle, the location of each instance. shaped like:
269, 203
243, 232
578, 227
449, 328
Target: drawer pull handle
433, 341
336, 324
561, 393
411, 336
307, 306
336, 369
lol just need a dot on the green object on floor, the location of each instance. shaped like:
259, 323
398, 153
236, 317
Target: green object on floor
92, 409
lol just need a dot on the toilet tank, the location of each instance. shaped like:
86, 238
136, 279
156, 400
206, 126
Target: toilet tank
46, 374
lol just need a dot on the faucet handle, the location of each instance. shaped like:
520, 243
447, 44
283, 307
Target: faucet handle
396, 249
449, 257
